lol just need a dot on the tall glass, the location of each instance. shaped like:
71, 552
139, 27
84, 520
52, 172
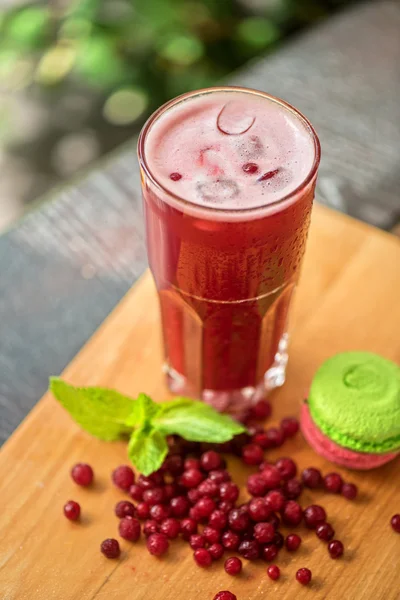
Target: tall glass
225, 280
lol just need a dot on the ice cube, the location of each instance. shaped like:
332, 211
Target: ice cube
211, 159
218, 190
251, 147
234, 120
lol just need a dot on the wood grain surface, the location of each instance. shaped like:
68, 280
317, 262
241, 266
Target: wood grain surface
348, 299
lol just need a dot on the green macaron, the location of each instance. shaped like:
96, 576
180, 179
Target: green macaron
355, 401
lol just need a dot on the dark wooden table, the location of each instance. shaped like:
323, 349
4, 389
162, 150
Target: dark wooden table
67, 263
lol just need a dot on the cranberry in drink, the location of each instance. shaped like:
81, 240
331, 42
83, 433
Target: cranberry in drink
228, 183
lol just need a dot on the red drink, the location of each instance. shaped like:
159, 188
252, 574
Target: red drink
228, 183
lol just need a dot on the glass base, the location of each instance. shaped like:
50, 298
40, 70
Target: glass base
234, 402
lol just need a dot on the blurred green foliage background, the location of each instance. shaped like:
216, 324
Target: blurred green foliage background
139, 53
79, 77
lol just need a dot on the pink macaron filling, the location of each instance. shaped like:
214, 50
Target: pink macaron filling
335, 453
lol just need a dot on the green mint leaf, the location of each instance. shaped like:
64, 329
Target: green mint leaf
143, 411
196, 422
99, 411
147, 449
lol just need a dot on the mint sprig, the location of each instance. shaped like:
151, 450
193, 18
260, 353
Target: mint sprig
109, 415
101, 412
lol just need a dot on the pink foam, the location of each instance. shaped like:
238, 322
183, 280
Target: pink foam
208, 139
335, 453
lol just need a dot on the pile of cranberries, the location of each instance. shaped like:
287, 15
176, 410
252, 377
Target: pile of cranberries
193, 497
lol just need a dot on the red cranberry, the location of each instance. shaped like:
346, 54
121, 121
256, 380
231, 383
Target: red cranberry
136, 492
72, 510
230, 540
229, 491
268, 175
123, 477
82, 474
292, 542
260, 411
205, 506
150, 526
197, 540
208, 487
292, 489
210, 461
202, 557
333, 483
278, 540
250, 169
125, 509
191, 478
159, 512
219, 476
188, 528
252, 454
129, 529
110, 548
303, 576
264, 532
194, 495
349, 491
243, 508
212, 535
171, 528
218, 519
335, 548
275, 437
153, 480
173, 465
175, 176
192, 463
270, 552
271, 476
286, 467
258, 509
256, 485
225, 506
274, 520
238, 442
195, 514
225, 595
249, 549
395, 523
237, 520
157, 544
289, 426
274, 572
233, 565
314, 515
253, 429
157, 478
179, 506
261, 439
275, 500
142, 511
292, 513
325, 531
312, 478
154, 495
216, 550
170, 491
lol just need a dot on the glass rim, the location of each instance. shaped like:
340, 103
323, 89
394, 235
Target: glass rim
225, 88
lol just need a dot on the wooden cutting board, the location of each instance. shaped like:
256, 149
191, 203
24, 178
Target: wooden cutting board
348, 299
